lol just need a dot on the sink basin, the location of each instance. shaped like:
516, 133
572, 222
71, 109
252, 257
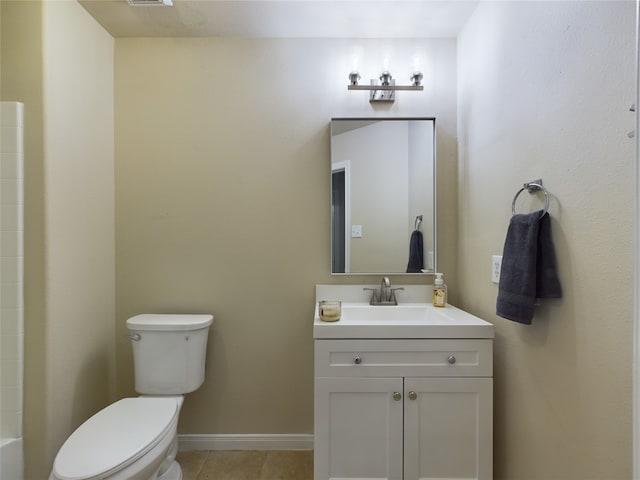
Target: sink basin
358, 313
410, 320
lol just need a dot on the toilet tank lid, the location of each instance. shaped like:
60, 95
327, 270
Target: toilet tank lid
166, 322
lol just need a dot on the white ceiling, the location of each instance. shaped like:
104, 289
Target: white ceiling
284, 18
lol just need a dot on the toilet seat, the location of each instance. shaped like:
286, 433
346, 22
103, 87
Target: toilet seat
115, 437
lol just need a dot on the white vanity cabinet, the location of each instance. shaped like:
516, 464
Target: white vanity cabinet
403, 409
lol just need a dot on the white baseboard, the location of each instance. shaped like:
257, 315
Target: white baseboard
245, 442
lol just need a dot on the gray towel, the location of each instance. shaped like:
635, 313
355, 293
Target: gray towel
528, 267
416, 260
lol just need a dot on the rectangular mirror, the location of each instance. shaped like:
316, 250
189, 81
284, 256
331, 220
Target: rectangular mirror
382, 192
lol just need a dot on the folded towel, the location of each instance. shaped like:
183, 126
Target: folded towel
416, 260
528, 267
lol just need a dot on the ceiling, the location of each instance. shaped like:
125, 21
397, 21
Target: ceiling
284, 18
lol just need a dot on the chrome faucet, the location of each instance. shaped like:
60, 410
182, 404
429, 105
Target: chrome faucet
385, 290
386, 295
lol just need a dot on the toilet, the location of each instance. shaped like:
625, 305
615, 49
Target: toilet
136, 438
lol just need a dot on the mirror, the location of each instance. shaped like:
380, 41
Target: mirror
382, 192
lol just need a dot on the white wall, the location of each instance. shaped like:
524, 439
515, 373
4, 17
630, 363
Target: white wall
378, 157
544, 91
421, 174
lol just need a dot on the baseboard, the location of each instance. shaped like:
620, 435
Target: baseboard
245, 442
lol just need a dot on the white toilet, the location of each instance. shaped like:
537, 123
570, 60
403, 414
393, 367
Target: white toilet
136, 438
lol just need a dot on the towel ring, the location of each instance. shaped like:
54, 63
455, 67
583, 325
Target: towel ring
532, 187
417, 223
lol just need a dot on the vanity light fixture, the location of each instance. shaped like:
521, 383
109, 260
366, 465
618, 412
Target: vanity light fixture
416, 79
385, 90
353, 78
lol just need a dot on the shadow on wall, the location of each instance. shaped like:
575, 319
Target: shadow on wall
92, 390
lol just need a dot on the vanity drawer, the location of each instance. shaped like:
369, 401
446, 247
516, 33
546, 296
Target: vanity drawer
431, 358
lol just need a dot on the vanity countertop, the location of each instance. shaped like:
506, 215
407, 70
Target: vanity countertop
413, 319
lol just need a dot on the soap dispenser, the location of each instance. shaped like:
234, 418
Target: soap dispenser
439, 291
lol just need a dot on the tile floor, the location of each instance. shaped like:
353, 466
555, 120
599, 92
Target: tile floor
246, 465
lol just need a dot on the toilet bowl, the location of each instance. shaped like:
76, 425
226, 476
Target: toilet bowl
136, 438
132, 438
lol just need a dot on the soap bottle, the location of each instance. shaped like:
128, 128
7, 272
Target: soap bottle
439, 291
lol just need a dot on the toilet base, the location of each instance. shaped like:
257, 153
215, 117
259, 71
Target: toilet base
173, 473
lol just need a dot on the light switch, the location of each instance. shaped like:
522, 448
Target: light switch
356, 231
496, 265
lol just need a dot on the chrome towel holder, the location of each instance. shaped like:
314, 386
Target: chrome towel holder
418, 222
531, 187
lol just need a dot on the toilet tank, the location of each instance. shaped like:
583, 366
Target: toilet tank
169, 352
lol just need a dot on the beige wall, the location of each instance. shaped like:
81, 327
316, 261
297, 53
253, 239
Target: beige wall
544, 91
79, 215
21, 80
222, 202
222, 205
59, 62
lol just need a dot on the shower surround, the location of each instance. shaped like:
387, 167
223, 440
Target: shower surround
11, 289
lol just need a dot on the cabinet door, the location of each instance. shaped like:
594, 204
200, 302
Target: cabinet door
448, 428
358, 428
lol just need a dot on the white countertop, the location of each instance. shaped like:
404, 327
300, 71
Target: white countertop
414, 318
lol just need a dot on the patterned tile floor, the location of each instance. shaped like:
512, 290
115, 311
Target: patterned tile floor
246, 465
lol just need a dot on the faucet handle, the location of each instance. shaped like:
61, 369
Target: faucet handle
374, 298
393, 294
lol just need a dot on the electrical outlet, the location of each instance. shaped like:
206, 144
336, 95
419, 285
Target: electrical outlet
496, 266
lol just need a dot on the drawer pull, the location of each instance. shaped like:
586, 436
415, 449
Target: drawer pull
397, 396
451, 359
413, 395
357, 360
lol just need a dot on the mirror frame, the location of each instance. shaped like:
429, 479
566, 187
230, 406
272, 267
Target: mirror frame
435, 189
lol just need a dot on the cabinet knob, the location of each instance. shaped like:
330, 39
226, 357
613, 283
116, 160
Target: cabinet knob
397, 396
357, 360
451, 359
413, 395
